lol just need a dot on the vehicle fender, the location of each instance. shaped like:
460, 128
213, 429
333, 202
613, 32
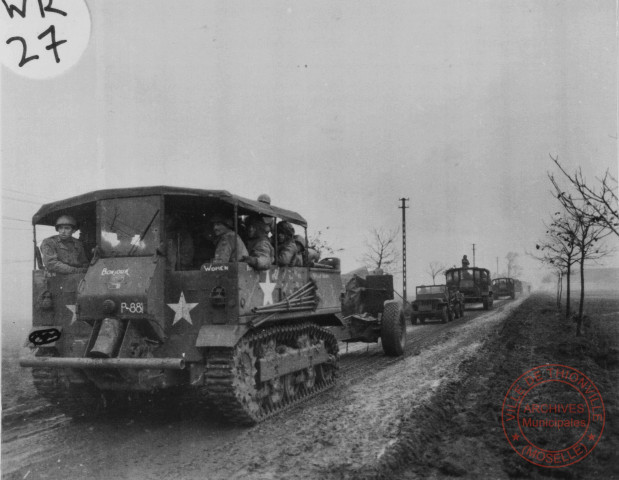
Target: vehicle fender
220, 335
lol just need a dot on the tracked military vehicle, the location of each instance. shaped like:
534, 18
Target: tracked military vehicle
154, 314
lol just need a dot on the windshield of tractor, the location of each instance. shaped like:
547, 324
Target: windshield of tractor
129, 226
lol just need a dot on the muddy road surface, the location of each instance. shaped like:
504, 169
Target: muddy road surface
334, 435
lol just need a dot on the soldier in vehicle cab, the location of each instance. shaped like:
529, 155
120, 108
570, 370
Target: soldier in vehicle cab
261, 252
287, 250
229, 246
63, 253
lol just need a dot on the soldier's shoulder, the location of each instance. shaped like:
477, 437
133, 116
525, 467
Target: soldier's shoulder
50, 240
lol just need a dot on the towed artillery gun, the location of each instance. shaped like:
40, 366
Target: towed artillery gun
437, 301
370, 313
141, 322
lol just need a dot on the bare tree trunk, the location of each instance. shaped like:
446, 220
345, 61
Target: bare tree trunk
581, 307
568, 308
559, 290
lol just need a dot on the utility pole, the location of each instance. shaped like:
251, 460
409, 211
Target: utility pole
497, 266
404, 207
473, 254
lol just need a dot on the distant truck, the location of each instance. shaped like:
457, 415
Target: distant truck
437, 301
506, 287
473, 282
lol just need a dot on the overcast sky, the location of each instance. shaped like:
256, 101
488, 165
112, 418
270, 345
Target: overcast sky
336, 109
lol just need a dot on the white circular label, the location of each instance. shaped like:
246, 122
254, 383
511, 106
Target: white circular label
43, 38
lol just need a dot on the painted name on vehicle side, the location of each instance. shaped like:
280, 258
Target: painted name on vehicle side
105, 271
215, 268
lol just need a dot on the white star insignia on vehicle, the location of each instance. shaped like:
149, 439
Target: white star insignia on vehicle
267, 288
182, 309
74, 312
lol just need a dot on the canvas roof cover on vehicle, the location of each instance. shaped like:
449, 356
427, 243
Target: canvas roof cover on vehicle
48, 212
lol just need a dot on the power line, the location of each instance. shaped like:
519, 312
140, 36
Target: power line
16, 219
28, 194
21, 200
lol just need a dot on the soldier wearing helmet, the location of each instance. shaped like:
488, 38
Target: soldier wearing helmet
465, 262
63, 253
229, 247
312, 254
261, 252
287, 250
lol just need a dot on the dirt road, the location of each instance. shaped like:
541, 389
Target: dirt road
334, 435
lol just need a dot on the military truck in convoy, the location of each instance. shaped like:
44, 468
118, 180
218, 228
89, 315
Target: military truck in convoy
473, 282
437, 301
505, 287
152, 313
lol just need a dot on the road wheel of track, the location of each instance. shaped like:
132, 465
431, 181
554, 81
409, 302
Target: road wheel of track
393, 329
290, 386
310, 378
244, 379
276, 392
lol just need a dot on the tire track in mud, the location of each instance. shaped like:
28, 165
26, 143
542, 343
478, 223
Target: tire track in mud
363, 358
35, 436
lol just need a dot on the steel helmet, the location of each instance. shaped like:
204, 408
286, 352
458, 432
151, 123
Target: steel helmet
221, 219
66, 220
263, 224
264, 198
285, 228
300, 240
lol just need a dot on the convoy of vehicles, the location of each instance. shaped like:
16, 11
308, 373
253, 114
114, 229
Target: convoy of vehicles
250, 342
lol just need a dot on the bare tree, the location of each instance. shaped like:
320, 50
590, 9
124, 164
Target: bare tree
600, 205
434, 269
590, 230
381, 250
558, 250
317, 242
513, 269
